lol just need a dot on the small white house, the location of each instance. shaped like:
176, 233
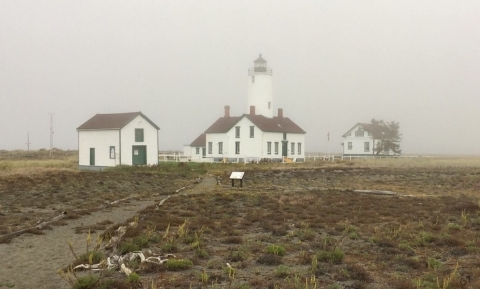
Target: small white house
108, 140
361, 140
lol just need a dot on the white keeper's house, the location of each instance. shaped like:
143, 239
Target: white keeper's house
254, 136
361, 140
108, 140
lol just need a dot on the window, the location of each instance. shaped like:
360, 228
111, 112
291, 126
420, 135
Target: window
210, 145
359, 133
237, 147
112, 152
253, 78
276, 148
237, 132
367, 146
349, 145
197, 151
139, 135
284, 135
292, 150
269, 104
252, 131
220, 147
269, 148
299, 148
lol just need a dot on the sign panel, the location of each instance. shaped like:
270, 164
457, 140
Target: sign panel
237, 175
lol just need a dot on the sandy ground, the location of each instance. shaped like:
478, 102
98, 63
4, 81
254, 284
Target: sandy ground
32, 261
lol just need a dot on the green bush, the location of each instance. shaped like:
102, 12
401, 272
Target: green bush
178, 265
86, 282
202, 254
335, 256
93, 257
127, 247
282, 271
133, 278
276, 250
170, 247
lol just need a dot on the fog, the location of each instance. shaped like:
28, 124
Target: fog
335, 63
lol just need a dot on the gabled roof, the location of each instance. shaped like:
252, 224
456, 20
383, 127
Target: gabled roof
376, 131
200, 141
112, 121
275, 124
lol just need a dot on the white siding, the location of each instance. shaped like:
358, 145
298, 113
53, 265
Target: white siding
358, 143
255, 147
191, 152
150, 140
101, 140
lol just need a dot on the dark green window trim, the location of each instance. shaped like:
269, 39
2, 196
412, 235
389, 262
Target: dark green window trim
139, 135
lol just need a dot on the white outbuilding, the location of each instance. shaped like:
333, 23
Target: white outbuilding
108, 140
254, 136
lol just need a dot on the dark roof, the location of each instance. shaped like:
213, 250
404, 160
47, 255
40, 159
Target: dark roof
223, 124
275, 124
113, 121
200, 141
260, 59
376, 131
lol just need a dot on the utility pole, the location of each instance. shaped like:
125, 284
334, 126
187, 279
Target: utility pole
51, 134
28, 141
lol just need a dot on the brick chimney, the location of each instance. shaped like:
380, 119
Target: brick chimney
280, 112
252, 110
227, 111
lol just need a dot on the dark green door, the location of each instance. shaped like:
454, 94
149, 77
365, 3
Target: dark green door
204, 152
92, 156
139, 155
284, 148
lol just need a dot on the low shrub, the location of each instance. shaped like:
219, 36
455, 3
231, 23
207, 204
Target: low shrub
276, 250
178, 265
282, 271
335, 256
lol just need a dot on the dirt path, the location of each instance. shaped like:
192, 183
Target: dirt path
32, 261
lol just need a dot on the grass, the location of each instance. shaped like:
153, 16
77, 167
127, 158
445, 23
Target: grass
291, 226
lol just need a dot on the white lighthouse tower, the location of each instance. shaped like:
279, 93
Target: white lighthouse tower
260, 94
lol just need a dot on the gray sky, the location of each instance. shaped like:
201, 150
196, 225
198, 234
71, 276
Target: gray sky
335, 63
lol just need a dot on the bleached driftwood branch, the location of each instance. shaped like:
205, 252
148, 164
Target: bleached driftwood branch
117, 261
